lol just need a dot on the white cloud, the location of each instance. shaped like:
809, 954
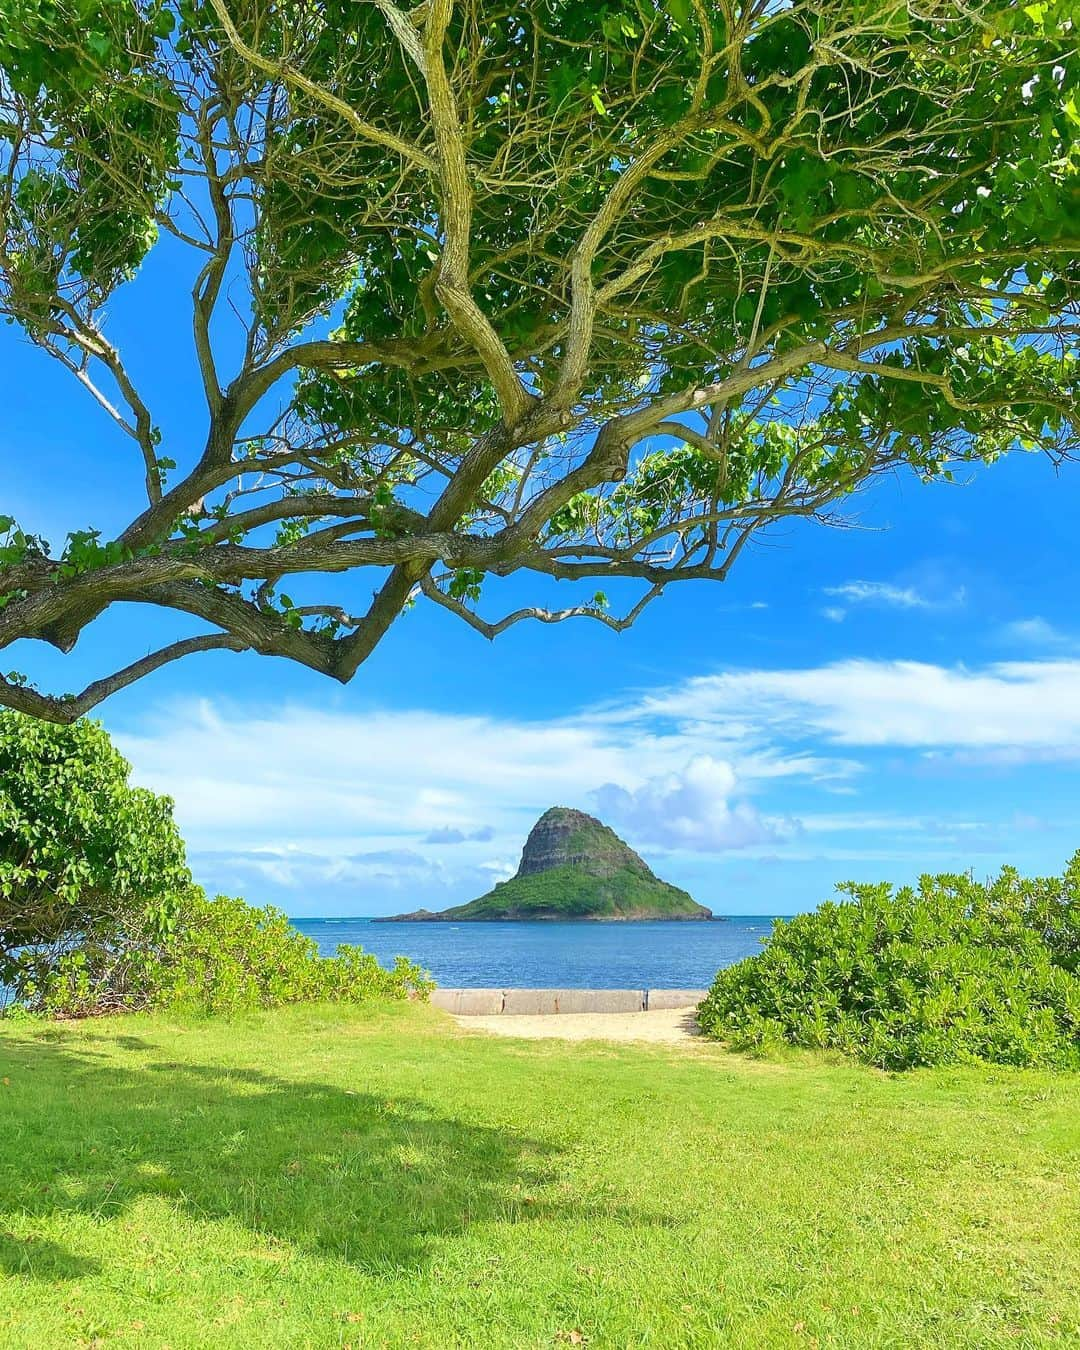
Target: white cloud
501, 869
879, 593
294, 868
450, 834
383, 774
834, 614
690, 809
243, 778
1037, 632
889, 595
1022, 708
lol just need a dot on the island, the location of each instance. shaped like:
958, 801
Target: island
572, 867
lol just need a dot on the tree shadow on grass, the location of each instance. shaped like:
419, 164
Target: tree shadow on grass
360, 1177
38, 1259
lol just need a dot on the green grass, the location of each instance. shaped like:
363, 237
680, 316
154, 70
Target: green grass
323, 1177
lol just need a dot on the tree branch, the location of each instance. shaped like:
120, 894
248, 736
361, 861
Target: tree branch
286, 74
452, 282
64, 709
491, 631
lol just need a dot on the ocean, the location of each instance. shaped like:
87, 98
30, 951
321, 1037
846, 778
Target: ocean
648, 955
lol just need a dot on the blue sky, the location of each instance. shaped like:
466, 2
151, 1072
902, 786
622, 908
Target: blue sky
870, 703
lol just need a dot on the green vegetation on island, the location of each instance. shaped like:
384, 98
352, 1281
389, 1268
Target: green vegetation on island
575, 867
571, 892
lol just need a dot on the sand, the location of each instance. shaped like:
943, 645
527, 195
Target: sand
669, 1026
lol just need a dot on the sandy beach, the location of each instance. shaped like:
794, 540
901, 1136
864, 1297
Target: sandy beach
669, 1026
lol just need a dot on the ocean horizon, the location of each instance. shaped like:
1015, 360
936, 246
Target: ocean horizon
638, 954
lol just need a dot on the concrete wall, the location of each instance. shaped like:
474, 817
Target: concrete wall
481, 1002
471, 1002
673, 998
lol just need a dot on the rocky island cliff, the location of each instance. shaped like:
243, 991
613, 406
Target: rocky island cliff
573, 867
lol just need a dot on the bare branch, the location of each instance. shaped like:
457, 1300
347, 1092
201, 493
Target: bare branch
492, 630
71, 707
452, 285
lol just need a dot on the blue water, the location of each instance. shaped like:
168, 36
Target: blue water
647, 955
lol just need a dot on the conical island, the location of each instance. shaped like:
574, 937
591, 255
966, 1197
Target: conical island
574, 867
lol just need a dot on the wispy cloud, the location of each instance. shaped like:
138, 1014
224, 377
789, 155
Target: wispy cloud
1026, 708
879, 593
431, 778
1038, 633
448, 834
888, 595
295, 868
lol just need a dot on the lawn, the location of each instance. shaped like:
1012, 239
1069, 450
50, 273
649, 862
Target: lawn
367, 1177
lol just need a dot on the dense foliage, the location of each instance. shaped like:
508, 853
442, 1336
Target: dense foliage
573, 291
950, 971
98, 911
81, 850
220, 956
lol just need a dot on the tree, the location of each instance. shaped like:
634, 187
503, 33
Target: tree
562, 290
84, 857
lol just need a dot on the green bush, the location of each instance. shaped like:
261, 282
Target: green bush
98, 911
952, 971
221, 956
85, 858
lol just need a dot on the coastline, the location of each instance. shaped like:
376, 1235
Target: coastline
423, 916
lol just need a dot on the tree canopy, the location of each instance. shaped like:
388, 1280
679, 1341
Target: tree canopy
575, 291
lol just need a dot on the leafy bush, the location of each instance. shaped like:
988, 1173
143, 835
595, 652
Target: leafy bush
949, 972
84, 856
222, 956
98, 911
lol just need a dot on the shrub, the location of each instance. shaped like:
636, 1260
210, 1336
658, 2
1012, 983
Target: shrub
85, 858
221, 956
952, 971
228, 956
98, 911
